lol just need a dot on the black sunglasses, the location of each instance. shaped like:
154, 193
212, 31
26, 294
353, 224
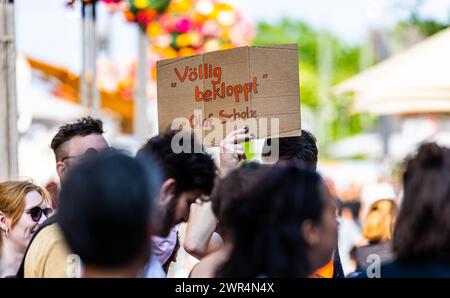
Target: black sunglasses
90, 152
36, 213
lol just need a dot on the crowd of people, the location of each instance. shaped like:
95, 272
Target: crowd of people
117, 215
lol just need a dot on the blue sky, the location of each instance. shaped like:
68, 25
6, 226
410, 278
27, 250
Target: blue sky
46, 29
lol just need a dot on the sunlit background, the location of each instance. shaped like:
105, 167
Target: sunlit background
373, 74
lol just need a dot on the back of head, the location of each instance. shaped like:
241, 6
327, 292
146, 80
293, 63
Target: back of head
235, 186
301, 148
105, 211
379, 222
267, 224
422, 229
182, 158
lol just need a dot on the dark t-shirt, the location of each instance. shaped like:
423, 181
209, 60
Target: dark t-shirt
338, 271
396, 269
417, 270
382, 249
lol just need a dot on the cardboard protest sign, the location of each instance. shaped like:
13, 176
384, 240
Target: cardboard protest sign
257, 85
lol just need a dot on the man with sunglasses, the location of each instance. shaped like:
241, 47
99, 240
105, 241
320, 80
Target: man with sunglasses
73, 140
47, 254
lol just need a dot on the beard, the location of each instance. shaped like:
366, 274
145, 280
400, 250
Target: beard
168, 219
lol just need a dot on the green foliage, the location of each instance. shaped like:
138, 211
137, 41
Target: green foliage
426, 27
345, 60
422, 25
334, 115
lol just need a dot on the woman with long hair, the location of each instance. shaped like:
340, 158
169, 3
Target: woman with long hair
284, 227
421, 239
229, 190
23, 207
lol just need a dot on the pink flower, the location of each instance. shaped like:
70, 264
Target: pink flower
183, 25
111, 1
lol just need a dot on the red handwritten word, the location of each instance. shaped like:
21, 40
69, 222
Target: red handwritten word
204, 71
230, 90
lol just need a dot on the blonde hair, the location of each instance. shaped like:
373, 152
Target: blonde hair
379, 222
12, 198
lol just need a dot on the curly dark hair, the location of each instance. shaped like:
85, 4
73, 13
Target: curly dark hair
302, 148
422, 231
267, 224
234, 187
193, 170
82, 127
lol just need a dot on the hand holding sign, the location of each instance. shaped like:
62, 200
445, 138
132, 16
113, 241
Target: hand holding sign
231, 149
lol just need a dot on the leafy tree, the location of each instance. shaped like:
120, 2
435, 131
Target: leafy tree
339, 120
345, 63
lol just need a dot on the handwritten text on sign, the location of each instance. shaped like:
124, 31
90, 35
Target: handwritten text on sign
218, 90
231, 88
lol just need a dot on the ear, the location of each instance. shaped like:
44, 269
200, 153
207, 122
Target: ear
310, 233
4, 225
167, 190
61, 169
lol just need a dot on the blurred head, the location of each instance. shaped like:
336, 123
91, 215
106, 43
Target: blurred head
286, 227
23, 207
73, 139
379, 223
187, 175
235, 186
105, 211
302, 148
422, 230
372, 193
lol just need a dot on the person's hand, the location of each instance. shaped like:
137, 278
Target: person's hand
232, 150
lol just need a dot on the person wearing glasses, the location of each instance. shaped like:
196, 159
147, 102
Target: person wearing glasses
23, 207
48, 254
73, 140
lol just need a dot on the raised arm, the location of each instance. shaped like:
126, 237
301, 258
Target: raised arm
200, 238
232, 150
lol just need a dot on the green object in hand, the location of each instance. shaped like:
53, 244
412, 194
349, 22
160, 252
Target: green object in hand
249, 152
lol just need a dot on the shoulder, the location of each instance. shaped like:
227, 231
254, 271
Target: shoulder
207, 267
367, 254
47, 237
396, 269
215, 243
415, 270
47, 253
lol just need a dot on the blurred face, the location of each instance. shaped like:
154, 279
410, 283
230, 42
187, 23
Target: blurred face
322, 237
177, 210
75, 148
185, 200
21, 233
